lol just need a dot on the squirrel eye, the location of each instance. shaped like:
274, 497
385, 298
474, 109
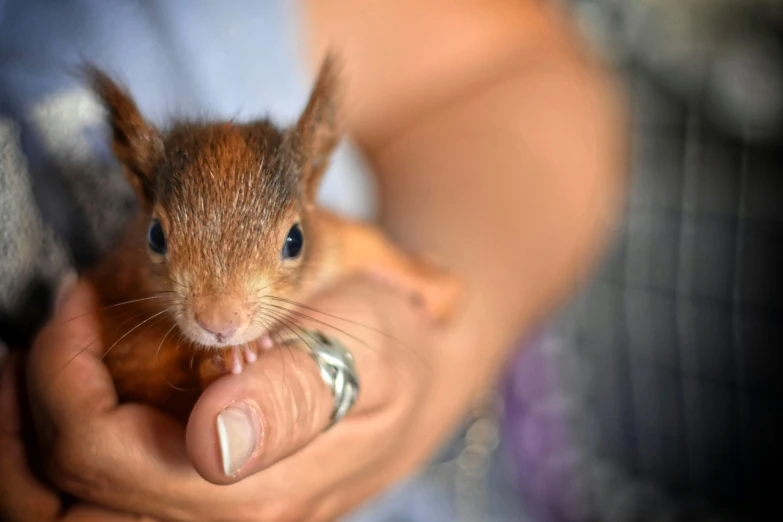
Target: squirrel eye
293, 242
156, 238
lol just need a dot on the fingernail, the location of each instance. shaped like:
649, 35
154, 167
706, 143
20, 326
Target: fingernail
67, 284
238, 428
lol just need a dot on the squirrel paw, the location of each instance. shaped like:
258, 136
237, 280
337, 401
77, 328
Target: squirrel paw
437, 299
229, 360
431, 290
239, 356
436, 292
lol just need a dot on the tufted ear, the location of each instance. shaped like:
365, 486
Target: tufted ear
318, 130
137, 144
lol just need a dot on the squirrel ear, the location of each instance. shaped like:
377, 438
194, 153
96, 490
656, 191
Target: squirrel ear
318, 131
137, 144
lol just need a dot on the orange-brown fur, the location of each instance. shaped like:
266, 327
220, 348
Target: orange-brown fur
226, 195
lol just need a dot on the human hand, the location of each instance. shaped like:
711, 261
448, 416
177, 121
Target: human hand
133, 458
23, 497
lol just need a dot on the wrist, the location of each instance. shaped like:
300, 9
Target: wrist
466, 359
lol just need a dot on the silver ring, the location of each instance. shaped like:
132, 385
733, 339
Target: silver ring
337, 371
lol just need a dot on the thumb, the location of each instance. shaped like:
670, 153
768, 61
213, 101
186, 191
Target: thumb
245, 423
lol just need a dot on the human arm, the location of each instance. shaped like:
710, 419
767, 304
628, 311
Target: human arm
500, 149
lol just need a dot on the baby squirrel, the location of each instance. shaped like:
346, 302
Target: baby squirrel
227, 237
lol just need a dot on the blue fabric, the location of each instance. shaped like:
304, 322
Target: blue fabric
192, 57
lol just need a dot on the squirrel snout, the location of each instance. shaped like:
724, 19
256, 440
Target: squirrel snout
220, 319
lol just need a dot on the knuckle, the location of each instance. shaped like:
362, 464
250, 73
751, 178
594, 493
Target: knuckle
301, 396
70, 469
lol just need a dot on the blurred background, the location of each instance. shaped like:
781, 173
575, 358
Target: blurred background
668, 364
655, 395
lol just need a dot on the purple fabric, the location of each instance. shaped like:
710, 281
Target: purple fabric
551, 436
535, 429
551, 439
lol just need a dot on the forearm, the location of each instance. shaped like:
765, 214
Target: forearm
498, 151
514, 188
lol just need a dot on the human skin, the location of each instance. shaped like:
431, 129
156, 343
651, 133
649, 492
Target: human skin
499, 149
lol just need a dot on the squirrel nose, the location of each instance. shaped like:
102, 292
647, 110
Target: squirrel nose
220, 320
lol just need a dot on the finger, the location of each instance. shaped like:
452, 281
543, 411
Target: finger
22, 495
68, 383
9, 398
90, 513
131, 457
269, 411
244, 423
94, 449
